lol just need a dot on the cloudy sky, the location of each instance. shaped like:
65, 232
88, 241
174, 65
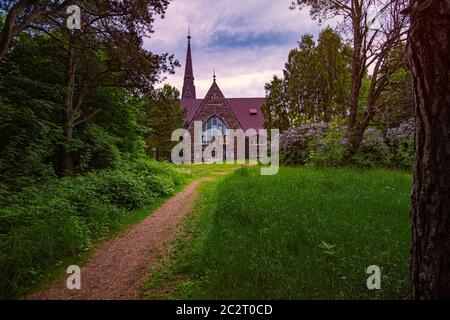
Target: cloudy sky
246, 41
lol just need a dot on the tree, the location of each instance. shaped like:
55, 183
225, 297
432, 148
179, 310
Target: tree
276, 109
21, 14
315, 83
32, 83
108, 50
429, 60
397, 97
30, 108
332, 77
161, 116
375, 28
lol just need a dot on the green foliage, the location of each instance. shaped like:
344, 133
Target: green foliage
315, 86
161, 184
119, 118
48, 117
31, 121
125, 189
153, 168
29, 113
161, 116
329, 148
321, 144
398, 97
277, 108
400, 141
49, 221
317, 245
317, 144
373, 150
97, 149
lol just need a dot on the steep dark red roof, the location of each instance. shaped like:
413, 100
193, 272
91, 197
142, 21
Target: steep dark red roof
191, 106
240, 106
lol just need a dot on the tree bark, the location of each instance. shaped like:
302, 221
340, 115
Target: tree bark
429, 60
356, 85
67, 163
366, 52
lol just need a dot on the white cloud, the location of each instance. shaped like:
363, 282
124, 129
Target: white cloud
241, 70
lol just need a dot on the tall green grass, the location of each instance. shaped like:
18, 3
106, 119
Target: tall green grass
302, 234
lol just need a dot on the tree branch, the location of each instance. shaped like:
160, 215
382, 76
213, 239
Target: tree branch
77, 123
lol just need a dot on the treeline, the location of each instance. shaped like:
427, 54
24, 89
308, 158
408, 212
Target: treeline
72, 101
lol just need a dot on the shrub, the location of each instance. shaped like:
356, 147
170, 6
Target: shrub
125, 189
401, 145
293, 147
148, 167
159, 184
326, 145
295, 144
373, 151
318, 144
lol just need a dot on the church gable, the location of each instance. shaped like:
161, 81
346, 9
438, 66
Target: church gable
215, 104
237, 113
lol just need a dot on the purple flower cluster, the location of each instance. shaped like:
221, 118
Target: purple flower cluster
400, 142
373, 138
343, 142
326, 144
292, 137
406, 130
294, 146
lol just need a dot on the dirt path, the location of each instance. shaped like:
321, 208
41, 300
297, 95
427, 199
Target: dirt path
117, 267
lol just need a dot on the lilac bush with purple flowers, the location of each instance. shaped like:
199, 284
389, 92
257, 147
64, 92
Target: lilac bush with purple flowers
316, 144
321, 144
401, 145
329, 149
373, 150
293, 147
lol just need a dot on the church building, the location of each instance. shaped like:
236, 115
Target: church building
215, 111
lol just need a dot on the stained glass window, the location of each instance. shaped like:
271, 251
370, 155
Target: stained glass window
214, 126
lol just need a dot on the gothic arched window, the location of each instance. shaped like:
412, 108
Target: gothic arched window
214, 126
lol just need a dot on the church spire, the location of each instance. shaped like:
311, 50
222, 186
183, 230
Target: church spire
188, 85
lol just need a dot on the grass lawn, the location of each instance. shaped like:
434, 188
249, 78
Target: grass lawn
196, 171
301, 234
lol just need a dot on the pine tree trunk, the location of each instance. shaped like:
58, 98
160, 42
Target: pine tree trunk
429, 60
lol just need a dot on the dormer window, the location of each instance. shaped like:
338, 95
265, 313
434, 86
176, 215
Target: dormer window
253, 111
